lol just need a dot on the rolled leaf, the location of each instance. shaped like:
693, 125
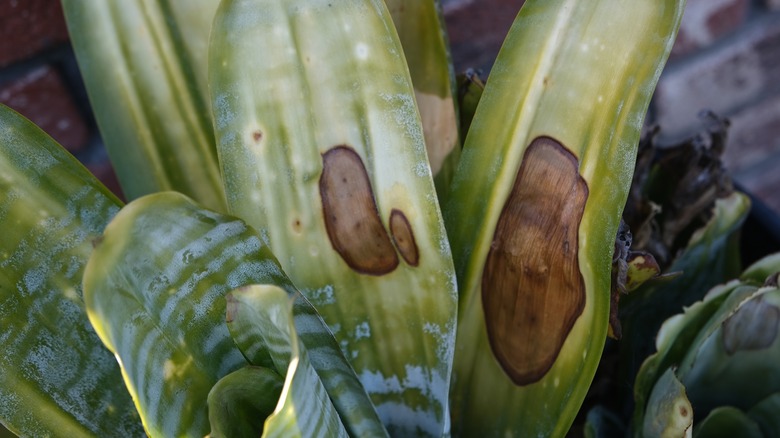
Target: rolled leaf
304, 409
240, 402
535, 207
323, 153
144, 66
55, 374
338, 378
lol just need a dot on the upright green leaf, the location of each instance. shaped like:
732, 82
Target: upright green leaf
144, 65
323, 152
423, 36
155, 289
55, 375
536, 203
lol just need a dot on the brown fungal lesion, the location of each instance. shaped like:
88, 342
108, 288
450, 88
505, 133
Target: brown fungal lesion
532, 287
403, 237
351, 216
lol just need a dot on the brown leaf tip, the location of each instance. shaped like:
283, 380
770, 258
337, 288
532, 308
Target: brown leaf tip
532, 288
350, 212
403, 237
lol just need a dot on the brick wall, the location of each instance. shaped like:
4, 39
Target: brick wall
39, 78
727, 59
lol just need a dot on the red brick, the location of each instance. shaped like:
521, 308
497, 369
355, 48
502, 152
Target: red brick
705, 21
723, 80
42, 97
29, 26
754, 135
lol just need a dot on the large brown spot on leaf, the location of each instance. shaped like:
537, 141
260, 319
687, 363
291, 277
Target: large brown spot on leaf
351, 218
532, 288
401, 231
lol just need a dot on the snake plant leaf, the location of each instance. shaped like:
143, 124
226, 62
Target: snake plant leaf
537, 198
764, 413
51, 209
338, 378
424, 40
710, 258
240, 401
144, 66
670, 414
759, 271
323, 152
155, 291
305, 409
726, 422
740, 343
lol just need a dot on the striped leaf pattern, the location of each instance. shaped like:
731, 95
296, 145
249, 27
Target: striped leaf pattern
347, 393
51, 209
144, 65
304, 409
155, 292
329, 80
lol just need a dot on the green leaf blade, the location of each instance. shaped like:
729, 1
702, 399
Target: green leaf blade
582, 74
144, 65
51, 209
330, 76
155, 289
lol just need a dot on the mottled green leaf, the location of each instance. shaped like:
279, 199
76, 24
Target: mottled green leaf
154, 289
55, 375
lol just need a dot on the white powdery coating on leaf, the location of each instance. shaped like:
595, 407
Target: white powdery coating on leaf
430, 383
322, 296
411, 420
362, 331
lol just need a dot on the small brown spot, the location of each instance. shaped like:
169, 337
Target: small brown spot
257, 135
532, 288
351, 217
683, 411
296, 225
401, 232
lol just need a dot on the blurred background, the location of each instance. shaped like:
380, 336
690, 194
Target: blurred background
726, 59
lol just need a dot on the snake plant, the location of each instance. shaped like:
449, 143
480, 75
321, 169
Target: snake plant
306, 280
